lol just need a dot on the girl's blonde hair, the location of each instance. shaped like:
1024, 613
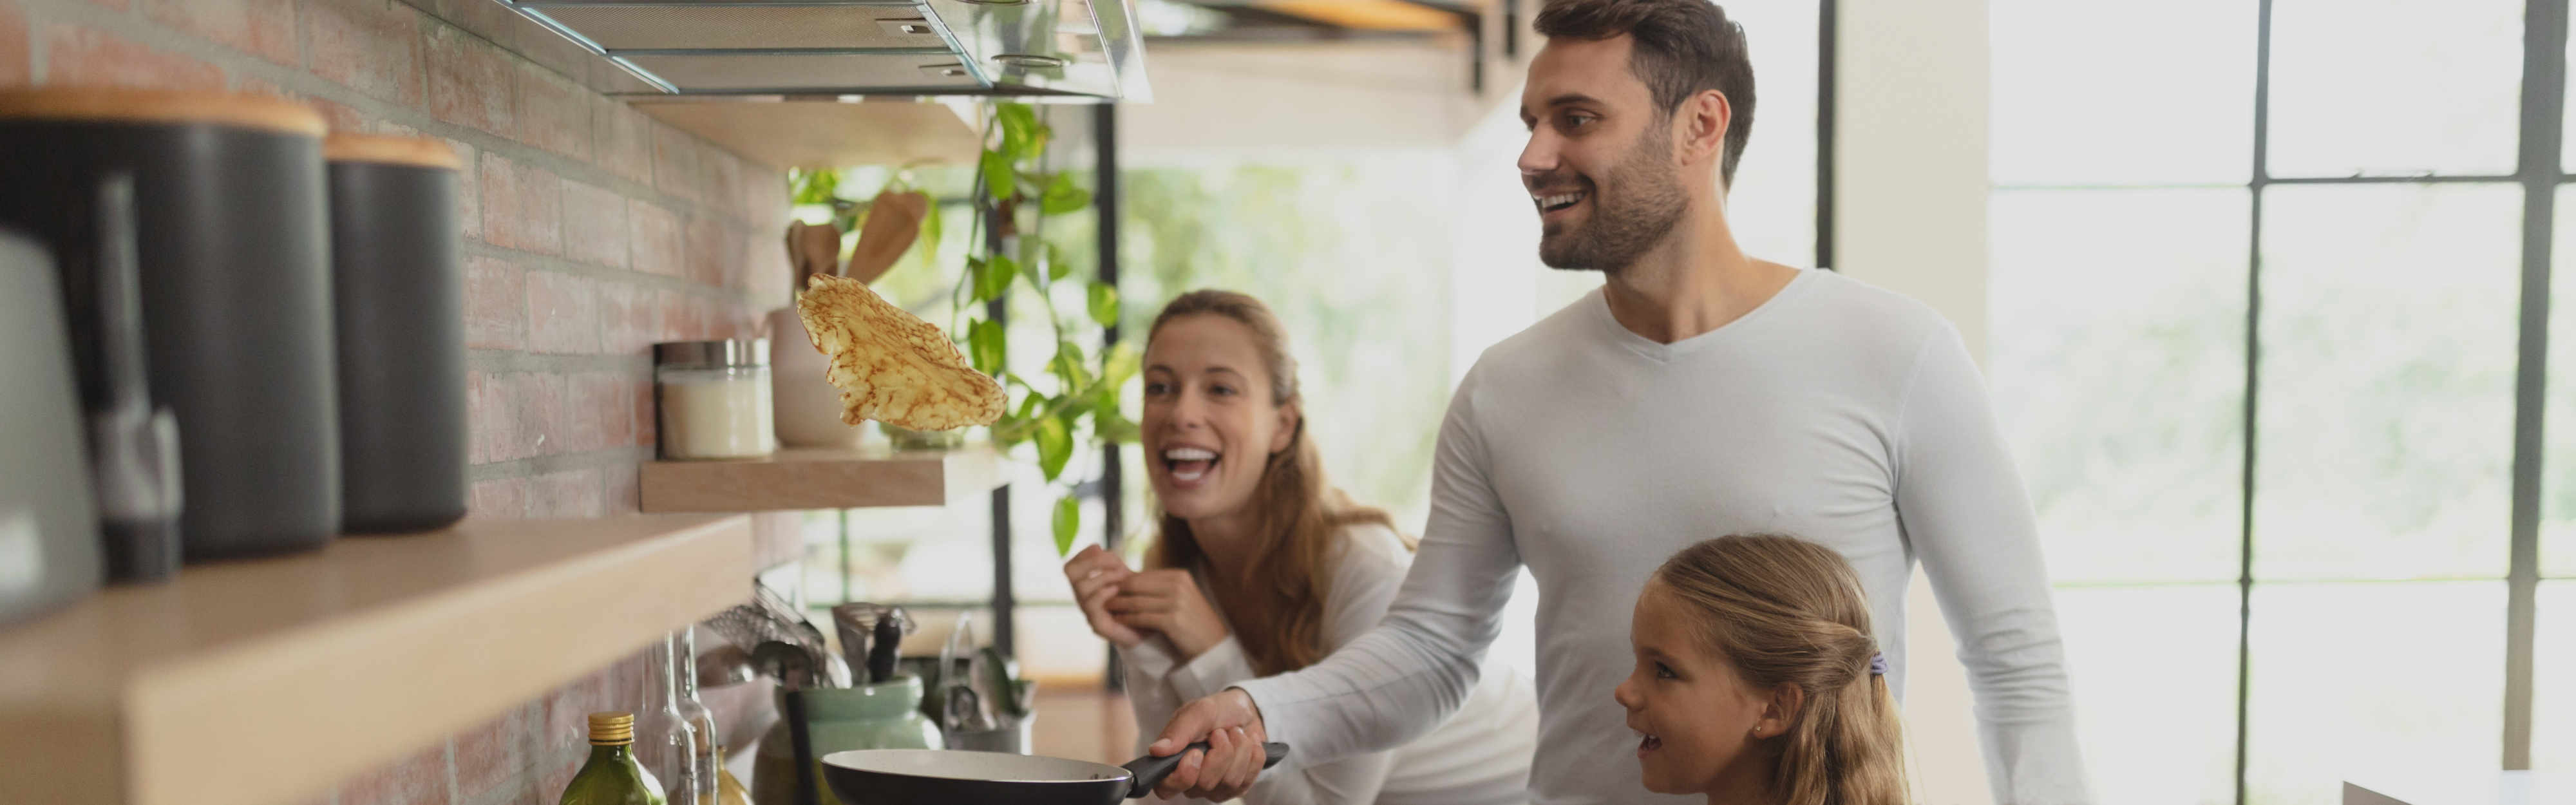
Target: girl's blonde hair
1275, 604
1789, 612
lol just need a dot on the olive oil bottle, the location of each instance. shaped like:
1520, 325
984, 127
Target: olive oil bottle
611, 776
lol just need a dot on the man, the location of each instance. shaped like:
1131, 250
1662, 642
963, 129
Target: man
1699, 393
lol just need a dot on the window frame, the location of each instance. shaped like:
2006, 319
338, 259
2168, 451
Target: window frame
2540, 174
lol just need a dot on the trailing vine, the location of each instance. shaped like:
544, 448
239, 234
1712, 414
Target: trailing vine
1077, 393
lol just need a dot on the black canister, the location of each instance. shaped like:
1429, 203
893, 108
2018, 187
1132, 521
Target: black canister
399, 300
236, 293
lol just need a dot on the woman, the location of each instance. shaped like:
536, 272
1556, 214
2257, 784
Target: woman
1757, 681
1261, 568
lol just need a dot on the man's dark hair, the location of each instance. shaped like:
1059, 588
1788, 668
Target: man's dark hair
1682, 48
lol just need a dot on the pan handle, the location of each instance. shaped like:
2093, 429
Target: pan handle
1151, 770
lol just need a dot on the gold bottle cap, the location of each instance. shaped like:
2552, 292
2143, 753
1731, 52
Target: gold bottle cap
612, 729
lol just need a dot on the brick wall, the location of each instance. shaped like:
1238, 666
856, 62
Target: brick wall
591, 232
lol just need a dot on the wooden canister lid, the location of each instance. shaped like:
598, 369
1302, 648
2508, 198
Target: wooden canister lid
122, 104
421, 152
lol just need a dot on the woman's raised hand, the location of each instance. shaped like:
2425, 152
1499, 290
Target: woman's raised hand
1096, 574
1168, 601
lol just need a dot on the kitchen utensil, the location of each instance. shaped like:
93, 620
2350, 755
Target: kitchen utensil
725, 666
792, 666
786, 611
976, 681
836, 671
235, 282
1024, 698
833, 670
998, 706
856, 628
953, 777
881, 653
48, 520
856, 622
750, 624
783, 661
961, 708
776, 602
886, 716
744, 625
894, 222
398, 302
995, 676
134, 445
963, 712
812, 249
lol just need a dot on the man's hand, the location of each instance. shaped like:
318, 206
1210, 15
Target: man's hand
1096, 574
1231, 726
1168, 601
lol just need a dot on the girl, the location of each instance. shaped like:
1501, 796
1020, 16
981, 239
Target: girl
1757, 681
1260, 567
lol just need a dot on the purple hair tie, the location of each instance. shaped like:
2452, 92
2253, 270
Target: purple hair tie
1877, 664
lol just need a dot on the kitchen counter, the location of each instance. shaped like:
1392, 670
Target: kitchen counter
2478, 788
1084, 724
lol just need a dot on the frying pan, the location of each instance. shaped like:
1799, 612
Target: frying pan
945, 776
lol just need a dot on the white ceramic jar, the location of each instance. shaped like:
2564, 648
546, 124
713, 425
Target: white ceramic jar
713, 398
808, 406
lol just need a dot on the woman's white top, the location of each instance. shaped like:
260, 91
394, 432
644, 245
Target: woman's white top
1479, 756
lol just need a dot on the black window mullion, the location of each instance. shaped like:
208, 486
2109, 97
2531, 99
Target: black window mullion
2544, 80
1825, 50
1113, 476
2261, 177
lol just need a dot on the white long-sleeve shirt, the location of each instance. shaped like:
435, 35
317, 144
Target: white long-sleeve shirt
1477, 755
1835, 412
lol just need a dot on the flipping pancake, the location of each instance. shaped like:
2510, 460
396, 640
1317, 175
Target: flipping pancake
890, 365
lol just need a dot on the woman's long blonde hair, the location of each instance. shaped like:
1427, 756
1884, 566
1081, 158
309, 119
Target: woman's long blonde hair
1276, 603
1789, 612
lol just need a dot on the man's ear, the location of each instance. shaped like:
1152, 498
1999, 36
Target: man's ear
1699, 126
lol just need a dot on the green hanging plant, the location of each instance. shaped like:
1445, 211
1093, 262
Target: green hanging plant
1077, 396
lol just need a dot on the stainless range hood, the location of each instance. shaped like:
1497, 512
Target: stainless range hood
806, 48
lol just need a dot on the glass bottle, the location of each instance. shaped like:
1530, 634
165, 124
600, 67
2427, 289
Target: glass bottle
729, 791
665, 743
611, 776
708, 760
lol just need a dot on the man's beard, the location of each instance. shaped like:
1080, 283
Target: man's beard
1623, 227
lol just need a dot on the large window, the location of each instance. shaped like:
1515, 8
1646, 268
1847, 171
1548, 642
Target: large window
2259, 341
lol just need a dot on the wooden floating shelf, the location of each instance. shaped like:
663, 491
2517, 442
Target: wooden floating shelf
264, 681
795, 479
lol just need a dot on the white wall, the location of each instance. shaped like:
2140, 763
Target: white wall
1336, 95
1910, 215
1910, 153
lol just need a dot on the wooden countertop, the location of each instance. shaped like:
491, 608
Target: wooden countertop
265, 681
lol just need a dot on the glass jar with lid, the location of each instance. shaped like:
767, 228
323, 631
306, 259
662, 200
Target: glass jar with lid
713, 398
